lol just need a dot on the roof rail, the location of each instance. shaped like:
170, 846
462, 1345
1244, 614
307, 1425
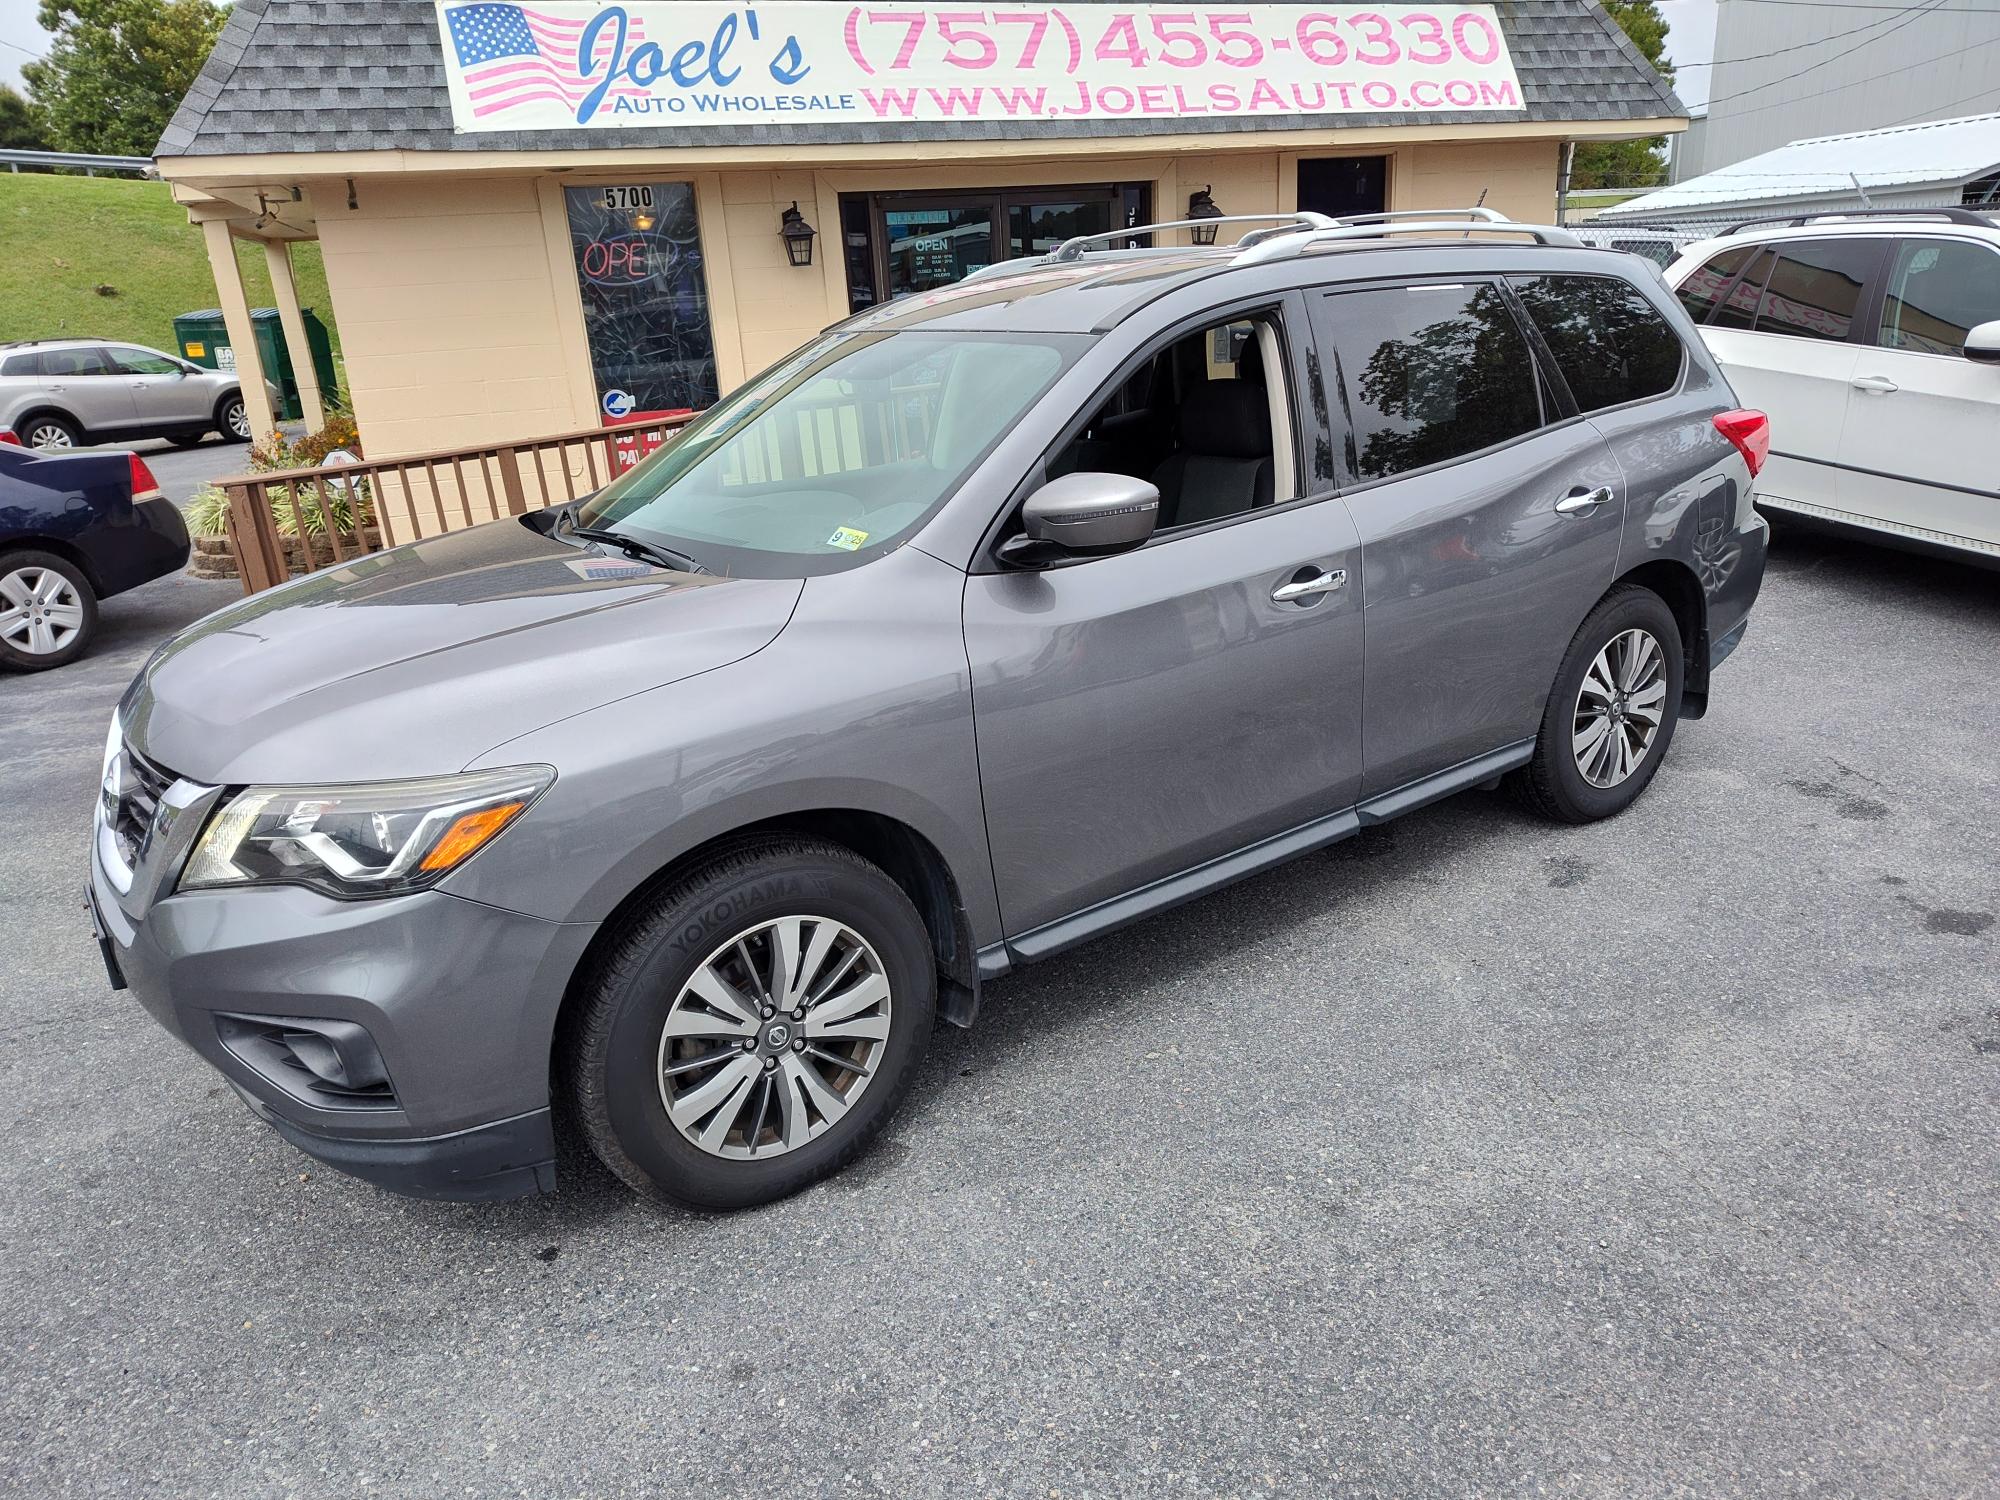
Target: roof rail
1949, 215
1257, 249
1073, 248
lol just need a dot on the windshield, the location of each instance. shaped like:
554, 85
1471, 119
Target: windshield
840, 450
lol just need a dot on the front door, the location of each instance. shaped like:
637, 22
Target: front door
1142, 714
162, 394
1916, 448
1474, 580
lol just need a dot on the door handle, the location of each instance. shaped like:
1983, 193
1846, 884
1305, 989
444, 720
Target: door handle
1307, 588
1581, 502
1880, 385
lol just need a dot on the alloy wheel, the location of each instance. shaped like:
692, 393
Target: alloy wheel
40, 611
50, 435
1619, 708
238, 419
774, 1037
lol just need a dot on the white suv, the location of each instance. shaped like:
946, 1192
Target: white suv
57, 393
1873, 341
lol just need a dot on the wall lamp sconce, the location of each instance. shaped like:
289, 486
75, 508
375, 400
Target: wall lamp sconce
1202, 206
798, 236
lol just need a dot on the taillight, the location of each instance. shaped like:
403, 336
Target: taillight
7, 436
1750, 431
144, 485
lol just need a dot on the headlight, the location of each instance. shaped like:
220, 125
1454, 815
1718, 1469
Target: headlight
372, 839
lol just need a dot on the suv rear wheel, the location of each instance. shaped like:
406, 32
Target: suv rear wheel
48, 611
47, 431
751, 1028
1611, 713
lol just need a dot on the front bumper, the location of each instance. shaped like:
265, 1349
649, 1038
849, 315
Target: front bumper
457, 999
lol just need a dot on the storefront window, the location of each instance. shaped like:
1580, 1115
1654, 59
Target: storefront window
935, 246
645, 302
896, 244
1037, 228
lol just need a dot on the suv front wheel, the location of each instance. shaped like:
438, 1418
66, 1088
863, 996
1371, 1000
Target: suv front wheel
1611, 713
232, 419
751, 1028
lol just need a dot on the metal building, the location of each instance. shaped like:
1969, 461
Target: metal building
1945, 163
1788, 70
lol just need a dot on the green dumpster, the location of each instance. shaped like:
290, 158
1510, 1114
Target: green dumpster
204, 338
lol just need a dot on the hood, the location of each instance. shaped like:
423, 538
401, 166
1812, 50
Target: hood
416, 661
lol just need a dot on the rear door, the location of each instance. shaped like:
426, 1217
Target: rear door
1918, 446
1489, 517
84, 382
1785, 333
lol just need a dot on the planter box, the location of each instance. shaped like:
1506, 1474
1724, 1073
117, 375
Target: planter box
211, 557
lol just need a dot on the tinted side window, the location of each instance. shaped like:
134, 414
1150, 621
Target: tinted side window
1816, 287
1705, 286
75, 362
1939, 290
1610, 343
22, 364
1430, 372
1739, 308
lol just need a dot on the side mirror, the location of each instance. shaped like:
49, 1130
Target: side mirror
1983, 343
1092, 513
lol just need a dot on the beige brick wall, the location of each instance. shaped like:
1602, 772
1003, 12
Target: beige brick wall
451, 322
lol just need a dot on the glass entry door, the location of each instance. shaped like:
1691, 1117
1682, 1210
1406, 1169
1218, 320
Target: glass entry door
899, 244
934, 244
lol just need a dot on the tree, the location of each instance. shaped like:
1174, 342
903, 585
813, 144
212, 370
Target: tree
1629, 164
117, 69
19, 129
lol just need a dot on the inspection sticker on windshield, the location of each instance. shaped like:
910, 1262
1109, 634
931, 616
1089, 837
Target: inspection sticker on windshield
846, 538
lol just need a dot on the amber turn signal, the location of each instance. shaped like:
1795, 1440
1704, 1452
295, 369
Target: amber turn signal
463, 839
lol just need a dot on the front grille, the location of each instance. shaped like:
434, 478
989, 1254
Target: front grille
131, 796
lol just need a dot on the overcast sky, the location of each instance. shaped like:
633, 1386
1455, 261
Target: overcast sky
1692, 40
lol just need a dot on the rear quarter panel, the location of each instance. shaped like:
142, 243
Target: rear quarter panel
81, 505
1688, 491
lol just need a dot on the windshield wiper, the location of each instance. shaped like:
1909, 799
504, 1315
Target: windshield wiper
631, 546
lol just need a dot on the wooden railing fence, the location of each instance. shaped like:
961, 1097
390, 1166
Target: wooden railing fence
291, 521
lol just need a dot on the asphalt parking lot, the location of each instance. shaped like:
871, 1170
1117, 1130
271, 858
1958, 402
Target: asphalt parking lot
1472, 1157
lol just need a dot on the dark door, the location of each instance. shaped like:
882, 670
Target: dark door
1341, 185
1474, 579
899, 243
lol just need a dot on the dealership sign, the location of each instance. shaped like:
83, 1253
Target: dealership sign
568, 64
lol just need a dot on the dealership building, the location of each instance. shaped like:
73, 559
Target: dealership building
539, 218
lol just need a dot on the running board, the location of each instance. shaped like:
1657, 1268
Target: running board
1162, 895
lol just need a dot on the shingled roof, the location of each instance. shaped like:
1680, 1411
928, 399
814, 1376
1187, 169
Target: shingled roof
368, 75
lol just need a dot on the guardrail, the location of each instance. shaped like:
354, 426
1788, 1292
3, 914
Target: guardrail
288, 522
15, 160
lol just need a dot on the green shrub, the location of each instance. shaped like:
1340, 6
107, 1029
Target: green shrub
207, 510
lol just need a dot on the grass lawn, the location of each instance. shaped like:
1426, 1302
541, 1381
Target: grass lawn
62, 237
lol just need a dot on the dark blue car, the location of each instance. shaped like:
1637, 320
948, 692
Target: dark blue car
75, 528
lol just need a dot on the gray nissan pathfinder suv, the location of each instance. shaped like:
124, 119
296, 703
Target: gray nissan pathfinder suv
992, 619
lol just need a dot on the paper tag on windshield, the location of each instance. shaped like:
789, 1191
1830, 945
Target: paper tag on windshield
846, 538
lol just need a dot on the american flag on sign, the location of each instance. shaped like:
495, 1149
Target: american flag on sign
513, 54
